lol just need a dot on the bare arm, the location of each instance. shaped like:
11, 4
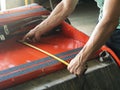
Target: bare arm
103, 30
61, 11
101, 33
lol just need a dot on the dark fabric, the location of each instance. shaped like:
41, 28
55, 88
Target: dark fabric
19, 26
114, 42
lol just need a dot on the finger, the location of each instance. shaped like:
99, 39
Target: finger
37, 37
77, 73
69, 67
34, 39
25, 37
78, 70
82, 71
28, 37
72, 69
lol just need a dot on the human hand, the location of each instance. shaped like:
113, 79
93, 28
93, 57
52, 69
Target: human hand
33, 35
77, 66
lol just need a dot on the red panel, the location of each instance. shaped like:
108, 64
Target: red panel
13, 53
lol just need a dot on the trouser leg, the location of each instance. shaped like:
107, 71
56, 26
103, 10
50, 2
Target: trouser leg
114, 42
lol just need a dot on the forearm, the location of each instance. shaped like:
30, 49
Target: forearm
61, 11
98, 38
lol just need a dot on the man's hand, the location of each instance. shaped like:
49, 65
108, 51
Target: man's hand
76, 66
33, 35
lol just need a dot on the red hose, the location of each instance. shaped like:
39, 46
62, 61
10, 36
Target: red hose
105, 48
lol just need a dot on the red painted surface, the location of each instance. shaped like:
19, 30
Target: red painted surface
13, 53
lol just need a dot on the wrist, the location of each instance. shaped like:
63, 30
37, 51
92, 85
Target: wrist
83, 57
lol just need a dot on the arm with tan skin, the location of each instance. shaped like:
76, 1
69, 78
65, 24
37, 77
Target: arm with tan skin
61, 11
101, 33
